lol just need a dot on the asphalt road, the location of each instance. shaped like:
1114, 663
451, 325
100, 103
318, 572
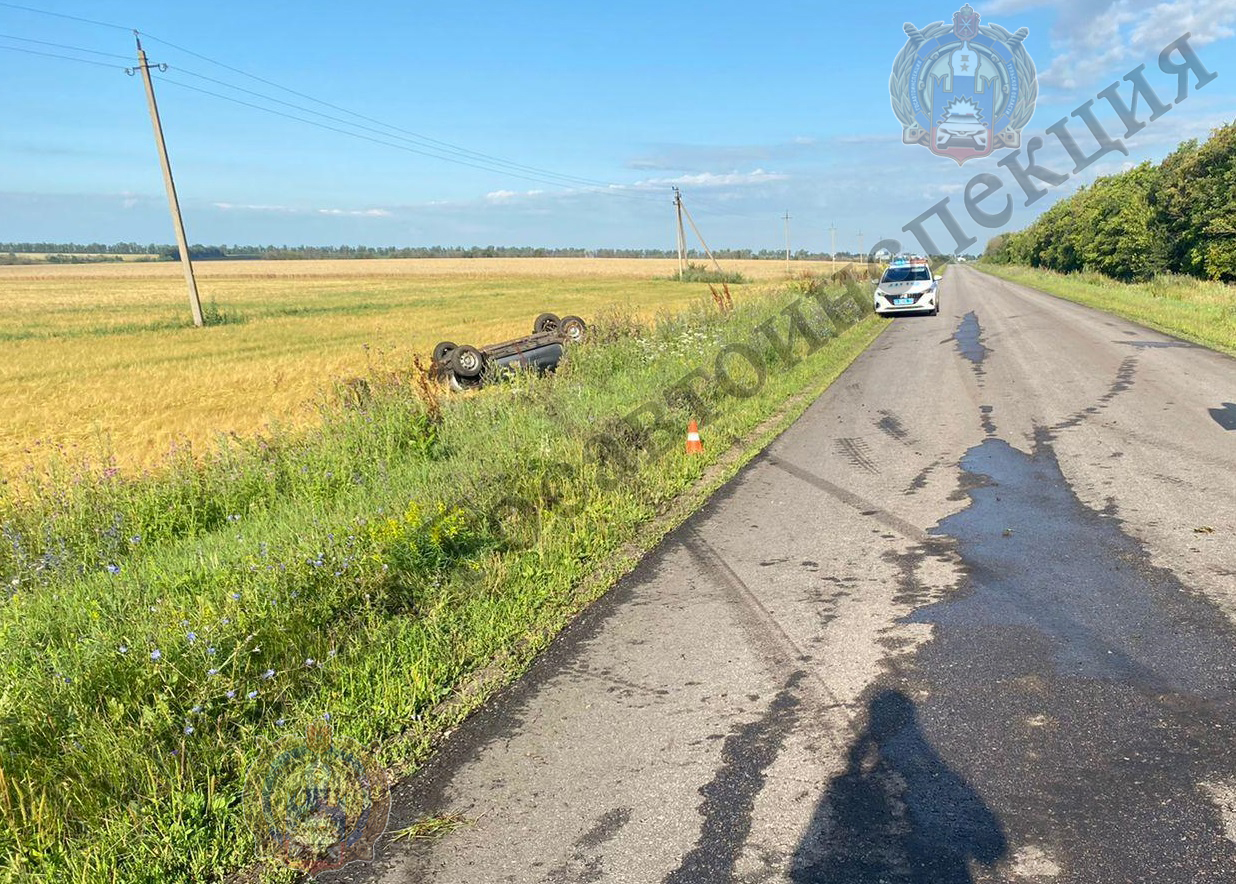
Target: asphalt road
969, 619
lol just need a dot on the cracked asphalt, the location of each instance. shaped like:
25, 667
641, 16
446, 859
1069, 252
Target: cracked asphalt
970, 619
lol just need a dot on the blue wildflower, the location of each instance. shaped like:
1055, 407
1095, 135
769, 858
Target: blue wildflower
192, 637
210, 652
268, 674
251, 695
212, 672
156, 655
280, 723
188, 729
113, 569
124, 649
230, 694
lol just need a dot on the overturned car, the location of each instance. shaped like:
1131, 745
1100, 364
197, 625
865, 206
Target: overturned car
465, 367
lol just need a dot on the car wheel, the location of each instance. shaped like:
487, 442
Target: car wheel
442, 352
546, 322
572, 328
468, 362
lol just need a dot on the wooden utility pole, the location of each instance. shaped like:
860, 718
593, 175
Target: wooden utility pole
195, 303
832, 233
787, 241
861, 253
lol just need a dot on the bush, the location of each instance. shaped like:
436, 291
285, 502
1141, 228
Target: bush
700, 273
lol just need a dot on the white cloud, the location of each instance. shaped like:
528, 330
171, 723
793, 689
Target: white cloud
710, 179
1093, 39
234, 207
506, 196
356, 213
292, 210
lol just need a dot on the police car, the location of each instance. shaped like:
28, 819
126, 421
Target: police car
908, 286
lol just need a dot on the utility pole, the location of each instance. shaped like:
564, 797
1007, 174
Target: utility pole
787, 241
832, 233
861, 254
195, 303
682, 236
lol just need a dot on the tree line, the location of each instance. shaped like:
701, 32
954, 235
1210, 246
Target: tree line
1175, 217
291, 253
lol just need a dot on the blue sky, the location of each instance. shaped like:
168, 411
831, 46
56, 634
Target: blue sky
752, 110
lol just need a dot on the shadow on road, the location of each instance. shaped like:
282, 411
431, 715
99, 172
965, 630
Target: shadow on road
897, 813
1225, 416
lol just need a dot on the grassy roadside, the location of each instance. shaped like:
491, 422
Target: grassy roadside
1196, 310
158, 630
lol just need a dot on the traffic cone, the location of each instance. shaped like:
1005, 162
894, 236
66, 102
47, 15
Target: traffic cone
694, 445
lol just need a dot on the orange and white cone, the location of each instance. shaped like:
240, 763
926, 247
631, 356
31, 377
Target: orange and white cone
694, 445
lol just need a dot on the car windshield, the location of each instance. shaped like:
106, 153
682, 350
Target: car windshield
912, 273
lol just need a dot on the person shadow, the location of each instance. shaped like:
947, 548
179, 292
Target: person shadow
897, 814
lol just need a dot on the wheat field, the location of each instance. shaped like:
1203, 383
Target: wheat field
100, 362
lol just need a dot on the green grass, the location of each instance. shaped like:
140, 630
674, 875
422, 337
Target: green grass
700, 273
1200, 311
158, 630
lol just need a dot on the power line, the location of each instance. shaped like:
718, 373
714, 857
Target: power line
381, 141
64, 46
415, 135
101, 64
462, 155
88, 21
570, 180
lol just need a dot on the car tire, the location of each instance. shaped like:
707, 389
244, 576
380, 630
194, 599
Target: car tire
468, 362
442, 352
572, 328
546, 322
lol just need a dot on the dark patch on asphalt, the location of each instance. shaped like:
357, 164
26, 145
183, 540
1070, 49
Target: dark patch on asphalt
858, 453
1081, 691
919, 482
1157, 345
1125, 376
899, 812
729, 798
969, 338
586, 866
989, 426
891, 425
1225, 416
606, 828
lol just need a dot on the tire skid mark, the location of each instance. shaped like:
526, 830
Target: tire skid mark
858, 453
866, 507
890, 424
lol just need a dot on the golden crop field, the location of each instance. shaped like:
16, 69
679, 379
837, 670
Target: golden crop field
102, 358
